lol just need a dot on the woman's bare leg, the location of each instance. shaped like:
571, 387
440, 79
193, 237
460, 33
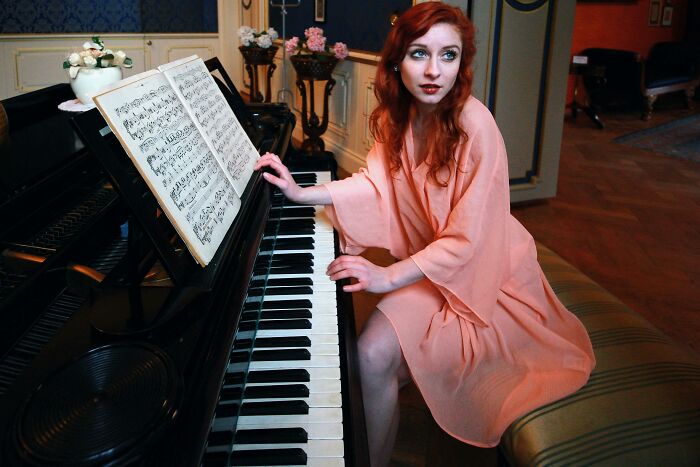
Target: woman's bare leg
383, 371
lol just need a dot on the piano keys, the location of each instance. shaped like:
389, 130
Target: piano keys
249, 361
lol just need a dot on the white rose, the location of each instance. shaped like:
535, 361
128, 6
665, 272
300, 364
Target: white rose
74, 59
91, 45
264, 41
272, 33
85, 53
119, 57
107, 52
90, 61
244, 30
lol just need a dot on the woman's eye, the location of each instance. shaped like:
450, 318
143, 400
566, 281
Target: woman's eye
449, 55
418, 53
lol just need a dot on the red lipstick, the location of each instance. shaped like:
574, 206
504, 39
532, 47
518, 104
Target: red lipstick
430, 88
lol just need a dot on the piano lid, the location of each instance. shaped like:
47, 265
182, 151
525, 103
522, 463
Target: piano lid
41, 138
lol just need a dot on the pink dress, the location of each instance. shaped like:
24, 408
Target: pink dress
484, 336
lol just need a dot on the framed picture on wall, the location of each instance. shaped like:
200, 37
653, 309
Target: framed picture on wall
320, 11
654, 12
667, 16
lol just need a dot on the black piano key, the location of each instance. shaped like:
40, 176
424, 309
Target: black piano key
290, 456
216, 459
275, 270
294, 313
308, 177
226, 410
243, 355
293, 407
281, 355
247, 326
295, 375
239, 344
277, 391
230, 393
279, 243
284, 258
282, 244
237, 377
271, 436
259, 291
296, 223
220, 438
276, 304
286, 304
285, 324
275, 314
271, 232
291, 341
291, 270
292, 281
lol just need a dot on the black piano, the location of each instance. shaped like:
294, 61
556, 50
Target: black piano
158, 361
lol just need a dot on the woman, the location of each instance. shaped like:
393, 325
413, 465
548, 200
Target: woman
467, 315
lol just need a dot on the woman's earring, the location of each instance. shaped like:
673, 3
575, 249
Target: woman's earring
396, 68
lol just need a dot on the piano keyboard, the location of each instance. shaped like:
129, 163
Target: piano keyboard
281, 402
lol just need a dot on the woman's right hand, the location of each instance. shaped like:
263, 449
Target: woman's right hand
283, 180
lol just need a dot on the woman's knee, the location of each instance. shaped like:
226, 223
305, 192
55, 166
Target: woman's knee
379, 349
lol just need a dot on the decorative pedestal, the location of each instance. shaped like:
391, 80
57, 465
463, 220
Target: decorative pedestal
310, 69
254, 57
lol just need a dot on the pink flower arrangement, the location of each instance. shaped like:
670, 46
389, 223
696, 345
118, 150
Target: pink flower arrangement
315, 44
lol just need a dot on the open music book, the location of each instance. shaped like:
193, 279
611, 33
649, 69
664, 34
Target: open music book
187, 144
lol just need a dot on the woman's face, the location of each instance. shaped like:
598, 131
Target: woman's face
431, 64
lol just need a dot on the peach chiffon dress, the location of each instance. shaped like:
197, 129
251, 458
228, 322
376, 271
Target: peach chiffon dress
484, 336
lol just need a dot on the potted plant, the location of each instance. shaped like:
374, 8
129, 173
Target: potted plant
93, 68
256, 47
312, 57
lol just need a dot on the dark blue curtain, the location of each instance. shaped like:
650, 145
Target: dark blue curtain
361, 24
99, 16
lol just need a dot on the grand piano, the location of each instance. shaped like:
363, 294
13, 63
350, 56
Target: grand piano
117, 349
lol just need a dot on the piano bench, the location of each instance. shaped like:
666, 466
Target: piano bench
641, 405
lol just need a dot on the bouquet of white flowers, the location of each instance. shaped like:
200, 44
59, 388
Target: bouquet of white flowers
94, 55
250, 37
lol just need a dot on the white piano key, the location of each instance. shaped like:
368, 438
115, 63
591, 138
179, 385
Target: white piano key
315, 415
312, 448
320, 329
316, 361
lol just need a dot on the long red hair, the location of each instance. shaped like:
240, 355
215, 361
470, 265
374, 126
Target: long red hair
389, 120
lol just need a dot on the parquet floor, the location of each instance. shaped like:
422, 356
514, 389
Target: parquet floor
628, 218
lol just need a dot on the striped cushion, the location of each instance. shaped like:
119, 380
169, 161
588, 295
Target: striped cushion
641, 405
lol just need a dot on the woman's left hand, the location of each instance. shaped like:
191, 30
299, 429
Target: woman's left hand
370, 277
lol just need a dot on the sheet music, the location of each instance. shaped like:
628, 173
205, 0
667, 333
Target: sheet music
175, 161
211, 112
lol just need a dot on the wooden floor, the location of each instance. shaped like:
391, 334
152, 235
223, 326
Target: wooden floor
628, 218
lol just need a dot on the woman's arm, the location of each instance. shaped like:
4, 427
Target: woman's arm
373, 278
318, 194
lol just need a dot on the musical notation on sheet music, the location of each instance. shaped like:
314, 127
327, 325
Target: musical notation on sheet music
165, 143
228, 140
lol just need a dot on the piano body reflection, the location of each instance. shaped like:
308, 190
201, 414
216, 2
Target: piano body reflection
123, 351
